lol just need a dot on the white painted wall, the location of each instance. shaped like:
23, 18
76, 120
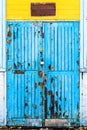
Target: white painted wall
83, 34
83, 63
2, 65
2, 34
2, 98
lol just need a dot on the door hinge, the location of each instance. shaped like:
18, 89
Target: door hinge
82, 72
82, 75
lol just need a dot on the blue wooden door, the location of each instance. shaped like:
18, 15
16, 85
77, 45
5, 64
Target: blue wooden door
61, 58
24, 102
42, 73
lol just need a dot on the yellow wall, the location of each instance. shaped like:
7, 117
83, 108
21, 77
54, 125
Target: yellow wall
65, 10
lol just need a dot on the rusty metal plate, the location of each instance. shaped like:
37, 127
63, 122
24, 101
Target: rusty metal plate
19, 72
56, 122
43, 9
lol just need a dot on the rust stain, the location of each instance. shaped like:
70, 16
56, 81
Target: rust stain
78, 116
53, 85
26, 104
35, 64
15, 66
77, 62
9, 34
9, 68
34, 106
50, 67
60, 108
60, 98
29, 64
8, 41
65, 99
42, 35
8, 31
51, 22
79, 84
42, 97
73, 123
56, 104
14, 35
8, 85
40, 73
56, 93
7, 54
26, 87
52, 105
60, 84
49, 92
64, 114
35, 85
25, 115
44, 82
41, 85
41, 53
19, 64
41, 93
29, 92
19, 72
78, 106
79, 70
38, 31
41, 103
52, 80
41, 29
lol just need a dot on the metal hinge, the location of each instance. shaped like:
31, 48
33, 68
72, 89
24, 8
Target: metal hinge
82, 75
82, 71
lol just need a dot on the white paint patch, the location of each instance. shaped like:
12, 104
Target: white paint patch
1, 30
2, 98
85, 31
83, 63
2, 34
83, 100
